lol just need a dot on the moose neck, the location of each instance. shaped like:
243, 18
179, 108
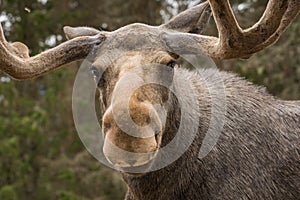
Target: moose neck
177, 176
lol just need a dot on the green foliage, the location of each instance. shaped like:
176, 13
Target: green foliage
8, 192
66, 195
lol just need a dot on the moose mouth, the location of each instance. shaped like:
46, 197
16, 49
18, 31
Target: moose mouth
135, 164
136, 170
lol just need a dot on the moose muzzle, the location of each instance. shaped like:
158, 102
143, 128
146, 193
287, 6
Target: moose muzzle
132, 133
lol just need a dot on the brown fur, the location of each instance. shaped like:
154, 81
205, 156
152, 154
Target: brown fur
257, 155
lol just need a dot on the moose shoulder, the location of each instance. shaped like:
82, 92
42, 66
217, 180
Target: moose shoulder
257, 151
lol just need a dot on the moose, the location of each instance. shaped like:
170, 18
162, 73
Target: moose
257, 154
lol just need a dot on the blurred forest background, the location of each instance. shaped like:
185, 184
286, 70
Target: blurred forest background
41, 156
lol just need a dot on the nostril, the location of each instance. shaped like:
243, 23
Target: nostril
107, 120
156, 133
106, 125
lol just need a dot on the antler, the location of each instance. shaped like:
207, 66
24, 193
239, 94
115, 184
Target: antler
15, 60
234, 42
193, 20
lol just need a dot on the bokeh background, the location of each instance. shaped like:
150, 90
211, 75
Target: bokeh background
41, 156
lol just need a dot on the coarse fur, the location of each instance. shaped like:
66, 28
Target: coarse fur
257, 155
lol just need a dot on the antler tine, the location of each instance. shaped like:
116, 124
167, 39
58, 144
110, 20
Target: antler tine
235, 42
2, 38
15, 62
291, 12
225, 20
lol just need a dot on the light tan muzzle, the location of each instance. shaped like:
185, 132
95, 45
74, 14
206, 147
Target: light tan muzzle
122, 148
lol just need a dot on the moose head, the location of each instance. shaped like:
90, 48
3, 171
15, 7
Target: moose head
148, 52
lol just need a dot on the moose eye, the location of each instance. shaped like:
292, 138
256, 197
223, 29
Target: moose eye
172, 63
94, 71
98, 76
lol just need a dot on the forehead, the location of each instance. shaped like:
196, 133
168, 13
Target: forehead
123, 61
131, 38
135, 36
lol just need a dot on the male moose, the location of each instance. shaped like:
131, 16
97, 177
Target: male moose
257, 155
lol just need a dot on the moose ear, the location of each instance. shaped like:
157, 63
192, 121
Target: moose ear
193, 20
71, 32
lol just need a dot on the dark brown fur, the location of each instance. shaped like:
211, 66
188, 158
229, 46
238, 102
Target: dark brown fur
256, 156
257, 153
